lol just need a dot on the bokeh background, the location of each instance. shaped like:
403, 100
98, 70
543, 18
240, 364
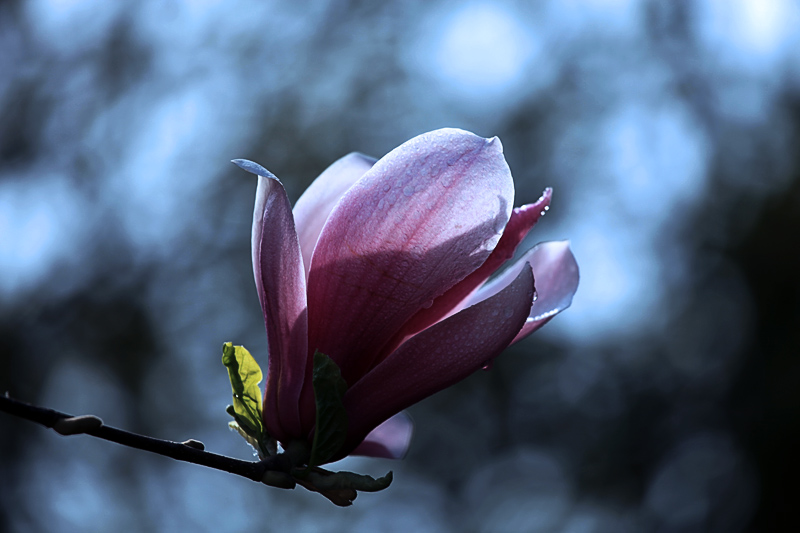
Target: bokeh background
666, 399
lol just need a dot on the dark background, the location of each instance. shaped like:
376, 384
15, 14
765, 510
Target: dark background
666, 399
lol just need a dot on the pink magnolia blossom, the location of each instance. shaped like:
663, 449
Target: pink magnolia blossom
383, 266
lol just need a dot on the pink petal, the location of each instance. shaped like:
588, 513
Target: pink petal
522, 221
312, 209
390, 440
424, 217
440, 356
278, 270
557, 277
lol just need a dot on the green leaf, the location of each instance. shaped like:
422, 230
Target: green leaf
245, 375
331, 426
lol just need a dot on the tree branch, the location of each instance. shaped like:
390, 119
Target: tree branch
268, 471
283, 471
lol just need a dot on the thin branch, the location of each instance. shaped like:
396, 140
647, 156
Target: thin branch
190, 451
283, 471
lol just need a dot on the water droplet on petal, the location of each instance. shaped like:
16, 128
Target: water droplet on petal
408, 190
428, 304
382, 204
508, 312
386, 187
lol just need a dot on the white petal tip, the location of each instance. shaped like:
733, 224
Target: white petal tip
495, 143
359, 157
253, 168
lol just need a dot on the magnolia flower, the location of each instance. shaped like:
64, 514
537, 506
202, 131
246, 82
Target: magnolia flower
383, 266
